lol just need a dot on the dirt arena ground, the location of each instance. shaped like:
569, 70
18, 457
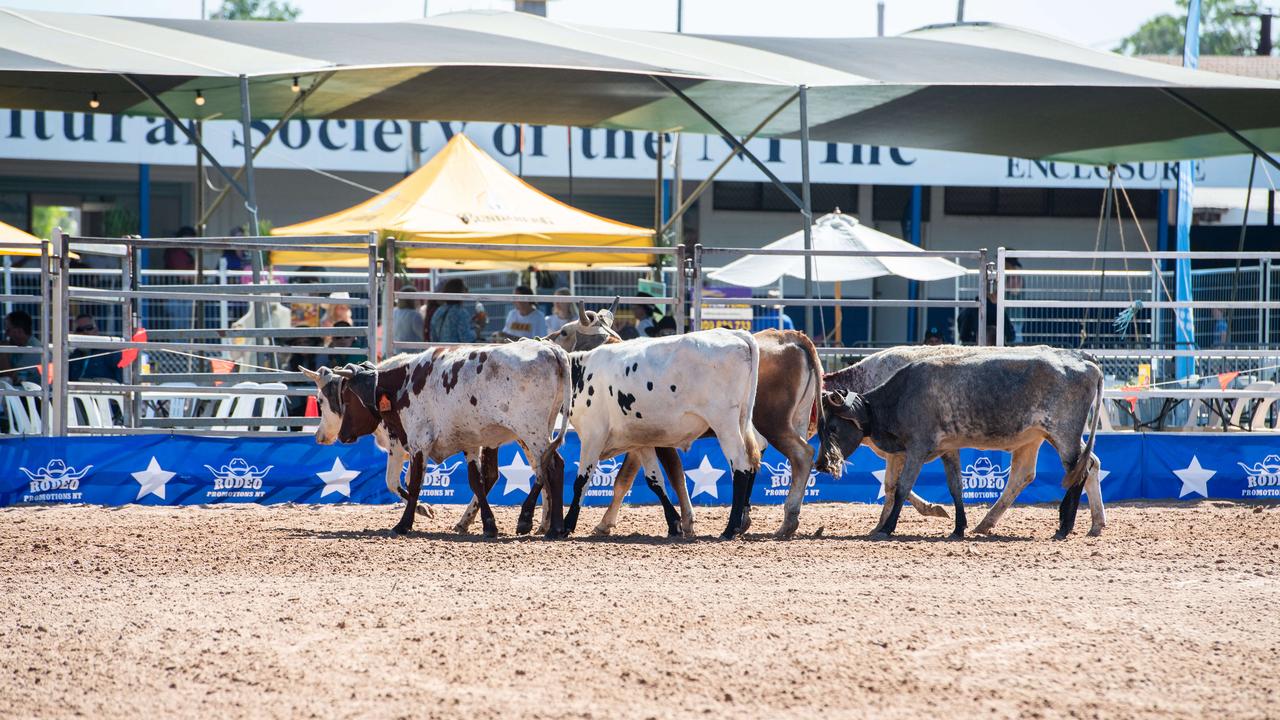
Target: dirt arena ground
317, 612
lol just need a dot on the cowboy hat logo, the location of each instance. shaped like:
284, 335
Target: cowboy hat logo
780, 475
237, 475
433, 474
1264, 473
983, 474
55, 476
605, 475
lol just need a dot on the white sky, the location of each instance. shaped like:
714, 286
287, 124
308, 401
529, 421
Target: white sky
1096, 23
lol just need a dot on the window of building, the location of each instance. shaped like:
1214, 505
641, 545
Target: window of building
892, 203
766, 197
1043, 202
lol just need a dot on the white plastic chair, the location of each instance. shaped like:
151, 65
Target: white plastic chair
33, 408
178, 405
19, 421
1238, 411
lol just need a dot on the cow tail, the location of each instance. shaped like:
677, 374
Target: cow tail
815, 367
754, 448
1080, 467
566, 404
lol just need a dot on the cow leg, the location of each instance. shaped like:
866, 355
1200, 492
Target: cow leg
653, 476
800, 454
674, 470
525, 522
1022, 470
911, 465
1071, 500
951, 464
1093, 486
579, 487
621, 486
892, 469
551, 477
1067, 511
411, 501
734, 447
478, 490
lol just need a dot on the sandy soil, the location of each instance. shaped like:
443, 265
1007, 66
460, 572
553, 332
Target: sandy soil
317, 612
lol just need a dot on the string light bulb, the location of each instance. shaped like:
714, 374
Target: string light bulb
199, 98
296, 87
94, 103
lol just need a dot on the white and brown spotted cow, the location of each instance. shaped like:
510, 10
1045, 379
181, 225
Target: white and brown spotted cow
785, 414
444, 401
665, 393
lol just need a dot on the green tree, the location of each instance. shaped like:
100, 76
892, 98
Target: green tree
256, 10
1221, 31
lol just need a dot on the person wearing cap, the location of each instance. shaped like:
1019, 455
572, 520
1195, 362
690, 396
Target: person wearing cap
406, 320
335, 313
933, 337
664, 327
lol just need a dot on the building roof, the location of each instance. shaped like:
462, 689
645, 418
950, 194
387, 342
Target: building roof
975, 87
1266, 67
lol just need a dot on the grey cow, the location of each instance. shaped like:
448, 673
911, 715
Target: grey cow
1010, 399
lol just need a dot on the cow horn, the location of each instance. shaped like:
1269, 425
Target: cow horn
613, 309
345, 372
311, 374
582, 310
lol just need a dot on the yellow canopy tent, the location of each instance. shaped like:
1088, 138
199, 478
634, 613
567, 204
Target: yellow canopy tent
463, 195
16, 242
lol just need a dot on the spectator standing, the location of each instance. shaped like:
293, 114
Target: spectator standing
524, 320
407, 320
453, 322
561, 313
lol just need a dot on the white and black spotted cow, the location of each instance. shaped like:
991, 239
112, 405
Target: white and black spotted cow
666, 393
443, 401
1012, 399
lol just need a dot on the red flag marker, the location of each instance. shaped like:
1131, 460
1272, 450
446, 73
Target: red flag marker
128, 355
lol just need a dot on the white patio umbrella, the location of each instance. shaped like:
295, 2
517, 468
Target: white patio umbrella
836, 231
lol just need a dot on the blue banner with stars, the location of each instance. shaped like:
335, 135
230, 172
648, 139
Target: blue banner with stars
182, 470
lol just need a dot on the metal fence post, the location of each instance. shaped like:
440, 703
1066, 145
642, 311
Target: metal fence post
45, 339
1000, 309
388, 294
130, 279
1265, 281
984, 279
58, 337
679, 284
697, 287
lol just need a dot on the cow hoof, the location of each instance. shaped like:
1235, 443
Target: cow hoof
601, 530
746, 524
934, 510
1095, 532
879, 535
1061, 534
523, 527
460, 529
491, 531
982, 529
957, 535
401, 529
788, 529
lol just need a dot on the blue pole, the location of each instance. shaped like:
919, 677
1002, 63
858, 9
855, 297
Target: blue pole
913, 288
1184, 320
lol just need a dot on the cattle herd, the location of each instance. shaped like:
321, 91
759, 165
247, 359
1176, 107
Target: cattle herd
646, 398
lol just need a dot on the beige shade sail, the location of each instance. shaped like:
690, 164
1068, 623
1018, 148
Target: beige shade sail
464, 196
972, 87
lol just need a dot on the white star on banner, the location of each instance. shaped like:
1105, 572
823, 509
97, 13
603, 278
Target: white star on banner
337, 479
518, 474
152, 479
1195, 479
879, 475
704, 478
1102, 475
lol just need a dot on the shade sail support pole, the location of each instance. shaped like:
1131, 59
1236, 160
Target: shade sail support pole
275, 129
251, 198
1253, 148
191, 136
702, 186
733, 141
806, 209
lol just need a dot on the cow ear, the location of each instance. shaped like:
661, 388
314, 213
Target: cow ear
854, 410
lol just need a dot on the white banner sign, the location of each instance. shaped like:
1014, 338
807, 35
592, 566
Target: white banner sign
538, 151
